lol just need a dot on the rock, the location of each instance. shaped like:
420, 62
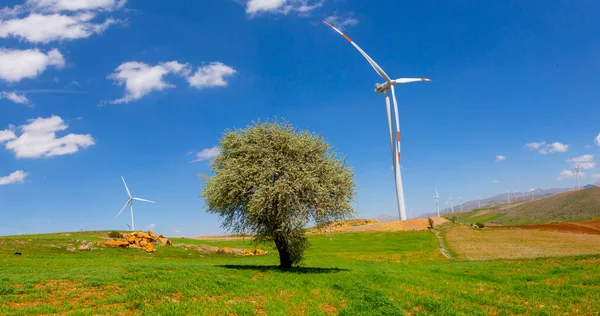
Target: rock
139, 240
71, 249
164, 241
85, 246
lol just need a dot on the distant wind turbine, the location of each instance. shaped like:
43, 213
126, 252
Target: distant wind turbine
130, 203
128, 226
577, 176
461, 203
437, 201
508, 194
479, 201
452, 204
395, 146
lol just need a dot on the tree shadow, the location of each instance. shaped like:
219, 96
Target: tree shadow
298, 270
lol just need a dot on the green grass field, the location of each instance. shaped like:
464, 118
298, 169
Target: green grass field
398, 273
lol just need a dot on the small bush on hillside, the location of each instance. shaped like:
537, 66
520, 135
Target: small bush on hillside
114, 234
453, 219
430, 221
480, 225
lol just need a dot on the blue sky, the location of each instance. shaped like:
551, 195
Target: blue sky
92, 90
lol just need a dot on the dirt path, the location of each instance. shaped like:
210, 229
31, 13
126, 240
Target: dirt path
442, 249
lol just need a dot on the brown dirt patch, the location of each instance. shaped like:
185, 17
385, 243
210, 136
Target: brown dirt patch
258, 276
411, 224
61, 291
487, 244
586, 227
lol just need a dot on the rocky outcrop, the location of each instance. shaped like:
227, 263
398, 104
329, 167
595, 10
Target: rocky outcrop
139, 240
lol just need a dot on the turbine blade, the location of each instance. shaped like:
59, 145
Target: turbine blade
369, 59
124, 206
143, 200
409, 80
126, 188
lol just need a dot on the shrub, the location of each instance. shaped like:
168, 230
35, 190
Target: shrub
453, 219
480, 225
430, 221
114, 234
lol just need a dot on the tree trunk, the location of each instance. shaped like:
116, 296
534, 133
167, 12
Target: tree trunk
285, 261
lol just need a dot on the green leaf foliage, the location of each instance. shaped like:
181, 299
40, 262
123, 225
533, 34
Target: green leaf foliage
271, 179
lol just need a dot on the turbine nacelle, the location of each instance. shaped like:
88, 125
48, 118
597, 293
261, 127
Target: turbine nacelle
382, 87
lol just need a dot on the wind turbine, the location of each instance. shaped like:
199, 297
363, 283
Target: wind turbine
461, 203
395, 146
508, 194
577, 176
479, 201
130, 203
437, 201
128, 226
452, 204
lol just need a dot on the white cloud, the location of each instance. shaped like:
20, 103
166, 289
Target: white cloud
140, 79
38, 28
597, 140
38, 139
545, 148
15, 97
7, 135
15, 177
207, 154
555, 147
75, 5
566, 174
500, 158
212, 75
535, 145
254, 7
16, 65
584, 162
342, 21
495, 181
151, 226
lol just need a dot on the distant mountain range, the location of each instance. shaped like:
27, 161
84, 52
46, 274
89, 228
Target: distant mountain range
504, 197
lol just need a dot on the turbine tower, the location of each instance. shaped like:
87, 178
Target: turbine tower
437, 201
479, 201
508, 194
577, 176
452, 204
130, 203
461, 203
395, 145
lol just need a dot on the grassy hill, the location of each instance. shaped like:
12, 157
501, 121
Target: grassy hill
378, 273
565, 207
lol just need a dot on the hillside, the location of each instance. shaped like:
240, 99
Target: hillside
569, 206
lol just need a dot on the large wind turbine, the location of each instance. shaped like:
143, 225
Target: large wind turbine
395, 146
437, 201
130, 203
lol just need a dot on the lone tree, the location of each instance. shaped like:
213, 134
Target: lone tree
272, 180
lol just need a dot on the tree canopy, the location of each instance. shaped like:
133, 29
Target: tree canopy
272, 180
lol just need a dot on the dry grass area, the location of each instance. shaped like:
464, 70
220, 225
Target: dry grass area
588, 227
411, 224
474, 244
